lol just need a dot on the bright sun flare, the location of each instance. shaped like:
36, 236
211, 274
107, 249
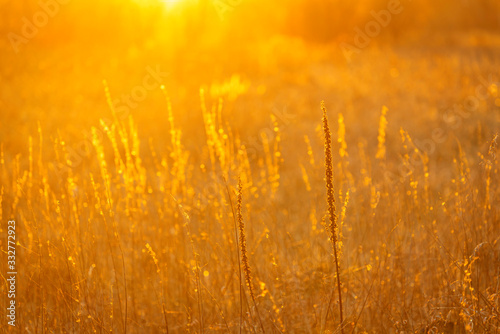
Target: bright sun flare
171, 3
167, 3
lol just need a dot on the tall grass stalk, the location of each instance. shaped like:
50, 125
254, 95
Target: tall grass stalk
244, 253
332, 217
238, 254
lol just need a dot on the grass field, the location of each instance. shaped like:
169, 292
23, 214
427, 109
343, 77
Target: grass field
169, 168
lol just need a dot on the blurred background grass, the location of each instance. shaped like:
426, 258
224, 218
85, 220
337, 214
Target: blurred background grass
58, 73
286, 54
262, 59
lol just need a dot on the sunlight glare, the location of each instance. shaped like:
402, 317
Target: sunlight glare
171, 3
168, 4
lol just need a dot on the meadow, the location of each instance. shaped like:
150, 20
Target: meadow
243, 167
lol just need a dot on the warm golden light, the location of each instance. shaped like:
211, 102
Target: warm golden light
172, 3
168, 166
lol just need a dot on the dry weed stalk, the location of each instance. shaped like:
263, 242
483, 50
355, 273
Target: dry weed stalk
332, 217
244, 252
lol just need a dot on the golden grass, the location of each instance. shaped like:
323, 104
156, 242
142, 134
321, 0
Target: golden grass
333, 227
404, 244
244, 253
125, 220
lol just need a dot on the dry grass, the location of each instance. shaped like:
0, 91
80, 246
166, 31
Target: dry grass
333, 228
414, 257
126, 223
